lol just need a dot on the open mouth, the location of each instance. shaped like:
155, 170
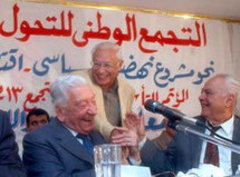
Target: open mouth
204, 105
88, 119
101, 77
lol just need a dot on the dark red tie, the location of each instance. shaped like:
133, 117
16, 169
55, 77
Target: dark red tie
211, 153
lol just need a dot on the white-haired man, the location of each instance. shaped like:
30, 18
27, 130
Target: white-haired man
64, 147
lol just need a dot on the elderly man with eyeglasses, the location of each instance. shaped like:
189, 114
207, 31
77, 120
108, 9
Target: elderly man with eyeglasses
114, 96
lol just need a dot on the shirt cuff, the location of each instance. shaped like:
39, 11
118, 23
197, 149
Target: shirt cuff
141, 143
133, 161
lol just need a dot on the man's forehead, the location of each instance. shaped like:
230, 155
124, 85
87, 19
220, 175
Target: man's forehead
105, 52
38, 116
79, 87
214, 85
216, 81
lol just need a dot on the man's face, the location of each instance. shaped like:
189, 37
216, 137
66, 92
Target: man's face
79, 112
36, 122
214, 101
105, 67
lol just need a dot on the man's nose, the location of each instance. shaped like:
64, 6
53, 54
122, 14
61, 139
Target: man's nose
201, 97
92, 109
101, 68
38, 125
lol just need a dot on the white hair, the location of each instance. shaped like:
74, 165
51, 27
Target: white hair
108, 45
59, 88
232, 87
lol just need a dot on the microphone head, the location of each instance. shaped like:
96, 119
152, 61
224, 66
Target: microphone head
151, 105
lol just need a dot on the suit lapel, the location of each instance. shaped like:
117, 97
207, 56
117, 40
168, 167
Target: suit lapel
97, 138
236, 137
196, 148
99, 95
196, 145
69, 142
121, 98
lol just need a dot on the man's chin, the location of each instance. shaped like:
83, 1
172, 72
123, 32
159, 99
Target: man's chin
101, 84
88, 130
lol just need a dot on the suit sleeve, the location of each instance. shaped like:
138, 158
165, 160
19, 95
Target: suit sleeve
163, 140
41, 160
10, 162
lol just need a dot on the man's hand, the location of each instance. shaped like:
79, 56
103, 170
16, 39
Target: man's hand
170, 132
135, 123
124, 137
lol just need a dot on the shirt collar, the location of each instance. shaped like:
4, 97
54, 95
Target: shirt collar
227, 126
114, 88
73, 132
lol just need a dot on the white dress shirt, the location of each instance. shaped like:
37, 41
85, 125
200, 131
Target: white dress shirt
226, 131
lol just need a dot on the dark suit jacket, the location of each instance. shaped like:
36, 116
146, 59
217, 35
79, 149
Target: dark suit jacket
183, 153
52, 151
10, 163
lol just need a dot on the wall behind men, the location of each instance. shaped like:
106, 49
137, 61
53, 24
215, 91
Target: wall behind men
166, 58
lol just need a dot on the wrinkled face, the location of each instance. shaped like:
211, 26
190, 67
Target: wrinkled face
214, 100
79, 112
105, 67
36, 122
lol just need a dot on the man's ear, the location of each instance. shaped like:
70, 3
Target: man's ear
120, 63
60, 112
230, 101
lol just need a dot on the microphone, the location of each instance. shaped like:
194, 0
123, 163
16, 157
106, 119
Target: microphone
156, 107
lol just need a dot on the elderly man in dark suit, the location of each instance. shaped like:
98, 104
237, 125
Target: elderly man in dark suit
64, 147
10, 163
218, 101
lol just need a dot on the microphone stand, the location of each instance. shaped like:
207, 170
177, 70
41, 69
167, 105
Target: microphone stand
188, 130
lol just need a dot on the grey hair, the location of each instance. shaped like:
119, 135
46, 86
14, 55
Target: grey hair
59, 88
108, 45
232, 87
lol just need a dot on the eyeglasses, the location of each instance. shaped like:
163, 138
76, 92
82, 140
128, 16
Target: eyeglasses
107, 66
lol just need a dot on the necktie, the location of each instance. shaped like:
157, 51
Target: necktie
211, 152
87, 142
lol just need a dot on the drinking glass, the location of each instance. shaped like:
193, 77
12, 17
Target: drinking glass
107, 159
